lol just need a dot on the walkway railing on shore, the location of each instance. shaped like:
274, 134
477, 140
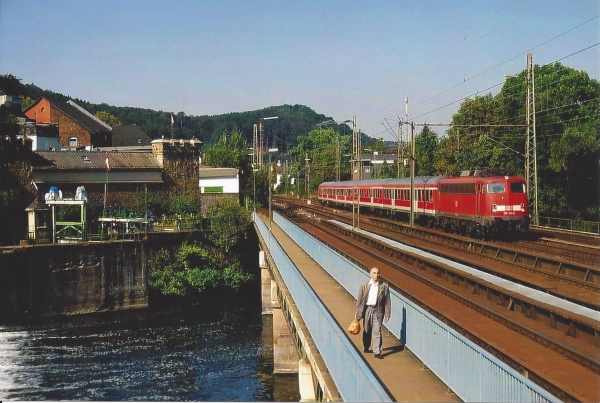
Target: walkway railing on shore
590, 227
469, 371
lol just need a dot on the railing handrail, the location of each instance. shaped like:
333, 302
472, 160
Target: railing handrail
472, 373
587, 227
353, 378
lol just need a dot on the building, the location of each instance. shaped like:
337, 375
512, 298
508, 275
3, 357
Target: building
216, 183
77, 128
43, 137
130, 138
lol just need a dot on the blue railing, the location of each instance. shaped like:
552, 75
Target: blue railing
469, 371
354, 380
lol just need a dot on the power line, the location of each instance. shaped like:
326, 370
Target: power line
504, 62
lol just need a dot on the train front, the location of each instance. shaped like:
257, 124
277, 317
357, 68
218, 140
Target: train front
505, 203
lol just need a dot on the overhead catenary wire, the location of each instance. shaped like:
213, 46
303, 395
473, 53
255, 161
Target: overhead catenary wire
503, 63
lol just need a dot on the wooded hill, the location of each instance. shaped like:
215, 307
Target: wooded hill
294, 120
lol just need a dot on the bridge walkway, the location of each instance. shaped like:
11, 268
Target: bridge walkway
400, 372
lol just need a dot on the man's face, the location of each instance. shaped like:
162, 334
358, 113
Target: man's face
375, 274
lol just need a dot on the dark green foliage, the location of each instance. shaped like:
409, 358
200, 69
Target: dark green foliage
230, 223
194, 267
567, 133
293, 120
426, 144
184, 205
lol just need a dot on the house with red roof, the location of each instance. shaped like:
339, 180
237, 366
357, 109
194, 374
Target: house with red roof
78, 129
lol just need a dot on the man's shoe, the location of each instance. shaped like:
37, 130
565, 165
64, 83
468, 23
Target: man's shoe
366, 350
379, 356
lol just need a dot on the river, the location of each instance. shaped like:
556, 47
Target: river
191, 354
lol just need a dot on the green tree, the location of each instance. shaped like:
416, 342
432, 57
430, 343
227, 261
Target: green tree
388, 170
567, 134
232, 152
426, 148
320, 147
230, 223
108, 118
194, 267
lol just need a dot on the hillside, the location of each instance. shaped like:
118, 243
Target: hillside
293, 120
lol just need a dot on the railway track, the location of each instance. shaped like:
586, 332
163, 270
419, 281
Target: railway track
555, 334
567, 274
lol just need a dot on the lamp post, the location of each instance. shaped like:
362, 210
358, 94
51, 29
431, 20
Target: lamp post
271, 150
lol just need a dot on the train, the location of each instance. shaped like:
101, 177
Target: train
479, 203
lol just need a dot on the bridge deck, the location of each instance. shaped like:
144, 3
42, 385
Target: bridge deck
400, 372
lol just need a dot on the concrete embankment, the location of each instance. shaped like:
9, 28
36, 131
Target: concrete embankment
67, 279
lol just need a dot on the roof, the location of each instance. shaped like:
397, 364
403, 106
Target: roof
77, 114
217, 172
129, 135
94, 160
418, 180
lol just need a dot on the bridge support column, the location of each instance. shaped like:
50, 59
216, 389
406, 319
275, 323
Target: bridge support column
305, 381
274, 299
265, 288
285, 357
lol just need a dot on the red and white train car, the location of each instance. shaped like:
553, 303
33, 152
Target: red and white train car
474, 202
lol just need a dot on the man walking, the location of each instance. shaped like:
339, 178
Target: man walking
374, 305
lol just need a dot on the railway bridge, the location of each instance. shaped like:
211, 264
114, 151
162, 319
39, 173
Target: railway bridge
310, 290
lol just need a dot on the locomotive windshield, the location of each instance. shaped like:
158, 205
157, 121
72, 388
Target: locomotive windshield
517, 187
496, 187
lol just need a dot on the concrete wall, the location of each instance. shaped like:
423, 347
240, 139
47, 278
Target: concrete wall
73, 279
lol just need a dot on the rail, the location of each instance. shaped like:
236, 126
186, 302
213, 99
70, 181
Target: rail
469, 371
590, 227
353, 378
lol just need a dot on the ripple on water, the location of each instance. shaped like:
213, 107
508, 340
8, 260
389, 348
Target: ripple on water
153, 357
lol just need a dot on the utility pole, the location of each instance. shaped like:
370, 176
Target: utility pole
412, 174
260, 143
398, 156
337, 156
531, 146
254, 146
355, 156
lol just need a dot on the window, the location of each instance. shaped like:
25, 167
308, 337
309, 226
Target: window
73, 142
466, 188
517, 187
213, 189
495, 187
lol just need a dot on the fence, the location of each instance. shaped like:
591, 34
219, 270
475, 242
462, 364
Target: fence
469, 371
592, 227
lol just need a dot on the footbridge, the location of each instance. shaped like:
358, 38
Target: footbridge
310, 290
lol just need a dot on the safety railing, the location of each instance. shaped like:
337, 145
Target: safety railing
469, 371
591, 227
354, 380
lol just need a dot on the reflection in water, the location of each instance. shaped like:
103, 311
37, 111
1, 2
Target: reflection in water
201, 354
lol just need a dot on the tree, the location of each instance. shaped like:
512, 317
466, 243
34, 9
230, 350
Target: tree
231, 152
567, 133
194, 267
426, 147
229, 223
320, 147
108, 118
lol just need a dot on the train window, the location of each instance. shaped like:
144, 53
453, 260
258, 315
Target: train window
466, 188
517, 187
495, 187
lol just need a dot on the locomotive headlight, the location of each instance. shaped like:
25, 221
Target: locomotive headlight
494, 208
522, 207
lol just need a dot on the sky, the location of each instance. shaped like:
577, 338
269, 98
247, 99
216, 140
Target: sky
340, 58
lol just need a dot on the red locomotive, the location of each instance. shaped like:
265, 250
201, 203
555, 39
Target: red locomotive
483, 202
